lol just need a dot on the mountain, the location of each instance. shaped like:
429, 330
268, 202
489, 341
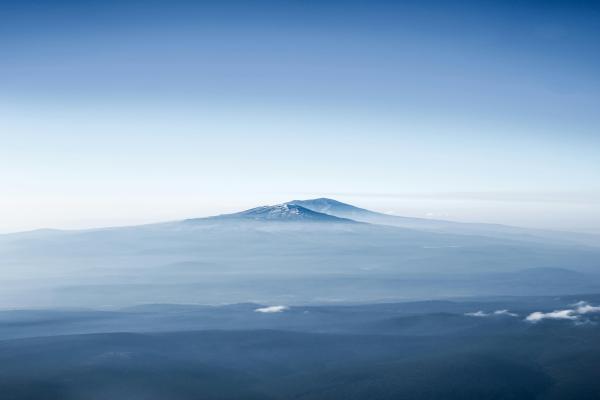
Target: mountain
343, 210
283, 254
283, 213
334, 207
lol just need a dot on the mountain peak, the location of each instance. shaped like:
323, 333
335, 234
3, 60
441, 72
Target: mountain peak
320, 200
284, 212
329, 206
279, 211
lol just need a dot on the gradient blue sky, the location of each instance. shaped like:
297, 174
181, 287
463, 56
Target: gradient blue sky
118, 112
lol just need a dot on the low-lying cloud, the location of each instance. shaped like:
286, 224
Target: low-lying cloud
576, 313
271, 309
491, 314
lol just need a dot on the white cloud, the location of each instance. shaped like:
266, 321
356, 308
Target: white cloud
505, 312
574, 314
497, 312
586, 308
579, 303
271, 309
558, 314
477, 314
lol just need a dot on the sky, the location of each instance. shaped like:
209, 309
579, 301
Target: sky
125, 112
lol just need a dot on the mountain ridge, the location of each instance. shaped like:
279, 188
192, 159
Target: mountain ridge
285, 212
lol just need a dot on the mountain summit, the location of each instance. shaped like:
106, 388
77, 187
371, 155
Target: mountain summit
284, 212
332, 207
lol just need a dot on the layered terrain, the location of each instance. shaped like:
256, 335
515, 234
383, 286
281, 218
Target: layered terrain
314, 251
485, 348
311, 299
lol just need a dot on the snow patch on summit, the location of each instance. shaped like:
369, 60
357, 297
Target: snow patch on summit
286, 212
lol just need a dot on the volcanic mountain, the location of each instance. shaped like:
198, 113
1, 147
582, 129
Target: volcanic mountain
297, 252
287, 212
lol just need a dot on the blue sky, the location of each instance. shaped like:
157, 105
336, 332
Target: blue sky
120, 112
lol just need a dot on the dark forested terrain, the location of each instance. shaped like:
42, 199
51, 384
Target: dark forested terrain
470, 349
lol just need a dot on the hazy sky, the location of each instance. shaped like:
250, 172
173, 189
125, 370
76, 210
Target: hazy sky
118, 112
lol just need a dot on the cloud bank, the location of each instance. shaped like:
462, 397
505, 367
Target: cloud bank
576, 313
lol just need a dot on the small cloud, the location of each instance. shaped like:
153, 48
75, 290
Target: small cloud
436, 215
271, 309
497, 312
477, 314
505, 312
579, 304
586, 309
574, 314
558, 314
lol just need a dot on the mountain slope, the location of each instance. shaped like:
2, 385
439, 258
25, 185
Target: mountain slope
343, 210
281, 255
